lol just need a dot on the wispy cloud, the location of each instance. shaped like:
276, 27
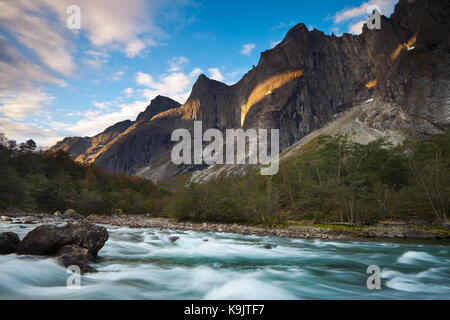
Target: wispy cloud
23, 131
24, 104
247, 49
176, 85
273, 44
283, 25
356, 17
215, 74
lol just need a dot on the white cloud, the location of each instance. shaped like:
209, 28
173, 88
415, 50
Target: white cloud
96, 59
17, 72
283, 25
22, 132
24, 20
100, 105
175, 64
176, 85
134, 48
357, 28
114, 22
129, 92
116, 76
20, 105
95, 122
247, 49
355, 16
273, 44
215, 74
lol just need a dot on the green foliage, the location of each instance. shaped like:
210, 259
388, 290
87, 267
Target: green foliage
337, 180
47, 181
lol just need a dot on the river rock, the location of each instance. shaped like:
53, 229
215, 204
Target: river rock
9, 243
72, 214
174, 239
47, 240
74, 255
28, 220
5, 218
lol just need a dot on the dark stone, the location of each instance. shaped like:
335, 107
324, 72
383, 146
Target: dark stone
76, 256
174, 239
47, 240
338, 73
9, 243
268, 247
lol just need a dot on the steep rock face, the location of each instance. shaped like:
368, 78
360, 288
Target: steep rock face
304, 83
158, 105
88, 149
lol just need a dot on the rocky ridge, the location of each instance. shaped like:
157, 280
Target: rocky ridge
399, 77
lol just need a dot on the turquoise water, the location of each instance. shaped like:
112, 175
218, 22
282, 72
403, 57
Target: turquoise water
145, 264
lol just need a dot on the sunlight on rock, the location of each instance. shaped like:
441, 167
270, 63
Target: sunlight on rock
372, 84
266, 88
403, 46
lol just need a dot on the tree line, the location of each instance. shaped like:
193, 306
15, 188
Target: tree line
45, 181
332, 180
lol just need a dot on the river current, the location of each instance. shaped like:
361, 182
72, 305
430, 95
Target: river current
145, 264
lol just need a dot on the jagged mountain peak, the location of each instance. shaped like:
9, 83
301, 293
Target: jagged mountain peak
158, 105
303, 84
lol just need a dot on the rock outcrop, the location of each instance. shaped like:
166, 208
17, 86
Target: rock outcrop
9, 243
47, 240
72, 244
301, 85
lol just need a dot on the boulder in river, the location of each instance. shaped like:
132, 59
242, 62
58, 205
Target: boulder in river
73, 244
47, 240
174, 239
9, 243
74, 255
28, 220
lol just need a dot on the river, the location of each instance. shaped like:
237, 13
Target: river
145, 264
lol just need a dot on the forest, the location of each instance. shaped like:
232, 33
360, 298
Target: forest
332, 180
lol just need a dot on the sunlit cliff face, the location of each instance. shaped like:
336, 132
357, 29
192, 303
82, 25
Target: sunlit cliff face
403, 46
372, 84
266, 88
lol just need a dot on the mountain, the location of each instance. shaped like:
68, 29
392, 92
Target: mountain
393, 81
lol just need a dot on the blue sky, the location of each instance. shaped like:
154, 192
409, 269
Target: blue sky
56, 82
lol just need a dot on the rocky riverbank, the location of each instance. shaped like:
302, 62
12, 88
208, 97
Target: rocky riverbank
304, 230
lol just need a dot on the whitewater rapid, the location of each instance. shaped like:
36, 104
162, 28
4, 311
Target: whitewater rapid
145, 264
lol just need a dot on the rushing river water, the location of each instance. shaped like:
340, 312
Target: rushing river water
145, 264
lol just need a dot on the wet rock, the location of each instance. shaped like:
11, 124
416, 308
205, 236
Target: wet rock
28, 220
117, 212
9, 243
76, 256
174, 239
268, 247
72, 214
47, 240
5, 218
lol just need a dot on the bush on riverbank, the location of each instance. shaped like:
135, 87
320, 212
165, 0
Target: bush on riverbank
333, 180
